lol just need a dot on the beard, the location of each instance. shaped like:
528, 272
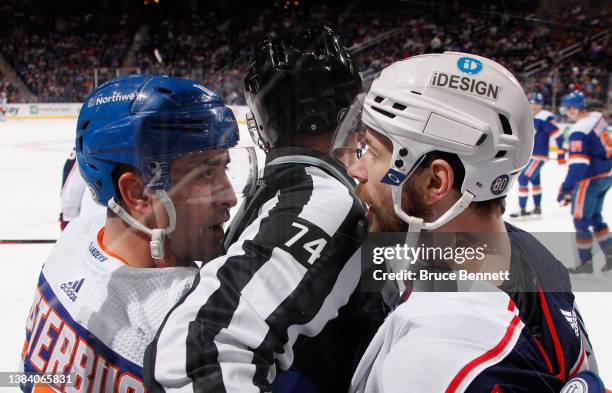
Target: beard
383, 217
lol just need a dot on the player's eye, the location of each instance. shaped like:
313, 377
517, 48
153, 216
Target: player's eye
362, 149
207, 173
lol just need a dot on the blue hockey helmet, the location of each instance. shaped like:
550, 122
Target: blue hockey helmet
146, 122
575, 99
536, 98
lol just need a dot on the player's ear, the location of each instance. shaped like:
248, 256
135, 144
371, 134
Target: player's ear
135, 200
437, 181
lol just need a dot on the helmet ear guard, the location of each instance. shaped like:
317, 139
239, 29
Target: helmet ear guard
314, 122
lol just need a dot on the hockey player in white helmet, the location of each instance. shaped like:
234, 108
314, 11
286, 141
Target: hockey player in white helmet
435, 145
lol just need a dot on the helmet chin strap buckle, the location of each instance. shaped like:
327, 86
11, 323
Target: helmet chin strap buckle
157, 243
157, 234
415, 224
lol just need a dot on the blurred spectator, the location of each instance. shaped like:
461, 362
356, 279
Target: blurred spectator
12, 94
56, 55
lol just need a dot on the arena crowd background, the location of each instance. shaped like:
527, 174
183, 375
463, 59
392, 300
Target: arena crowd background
59, 50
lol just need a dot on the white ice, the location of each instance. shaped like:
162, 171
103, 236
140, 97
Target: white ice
32, 153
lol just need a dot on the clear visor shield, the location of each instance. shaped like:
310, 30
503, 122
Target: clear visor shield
197, 191
206, 177
349, 140
357, 128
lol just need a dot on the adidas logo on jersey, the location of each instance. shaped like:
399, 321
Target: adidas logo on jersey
72, 288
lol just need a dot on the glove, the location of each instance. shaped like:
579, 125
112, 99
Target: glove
565, 196
62, 222
561, 157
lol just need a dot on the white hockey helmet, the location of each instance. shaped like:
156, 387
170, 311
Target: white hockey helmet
451, 102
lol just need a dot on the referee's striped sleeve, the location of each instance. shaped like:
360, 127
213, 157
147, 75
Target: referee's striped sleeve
287, 275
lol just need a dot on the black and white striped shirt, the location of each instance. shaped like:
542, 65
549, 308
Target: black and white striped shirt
290, 272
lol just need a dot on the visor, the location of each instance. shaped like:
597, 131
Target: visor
230, 173
349, 143
349, 146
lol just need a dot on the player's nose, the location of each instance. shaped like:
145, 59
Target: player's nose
226, 195
358, 171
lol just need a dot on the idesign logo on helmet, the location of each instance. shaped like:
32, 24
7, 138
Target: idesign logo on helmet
465, 83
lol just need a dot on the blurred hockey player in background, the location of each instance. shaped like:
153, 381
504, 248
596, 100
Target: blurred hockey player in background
281, 311
3, 105
588, 179
545, 129
426, 153
155, 151
75, 198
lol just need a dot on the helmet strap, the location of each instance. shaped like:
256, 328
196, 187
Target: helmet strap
158, 234
416, 224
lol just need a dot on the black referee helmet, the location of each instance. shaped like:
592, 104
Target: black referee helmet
299, 83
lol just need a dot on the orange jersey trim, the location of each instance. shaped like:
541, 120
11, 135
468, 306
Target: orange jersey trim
601, 175
106, 250
580, 156
100, 239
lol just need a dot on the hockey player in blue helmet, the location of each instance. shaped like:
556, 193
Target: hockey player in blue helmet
588, 179
545, 128
154, 150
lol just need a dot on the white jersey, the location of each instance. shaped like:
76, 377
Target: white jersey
93, 315
75, 198
478, 341
424, 344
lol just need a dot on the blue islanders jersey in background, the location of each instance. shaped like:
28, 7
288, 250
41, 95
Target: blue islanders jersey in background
590, 150
545, 128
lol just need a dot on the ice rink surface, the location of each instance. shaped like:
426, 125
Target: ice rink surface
33, 152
